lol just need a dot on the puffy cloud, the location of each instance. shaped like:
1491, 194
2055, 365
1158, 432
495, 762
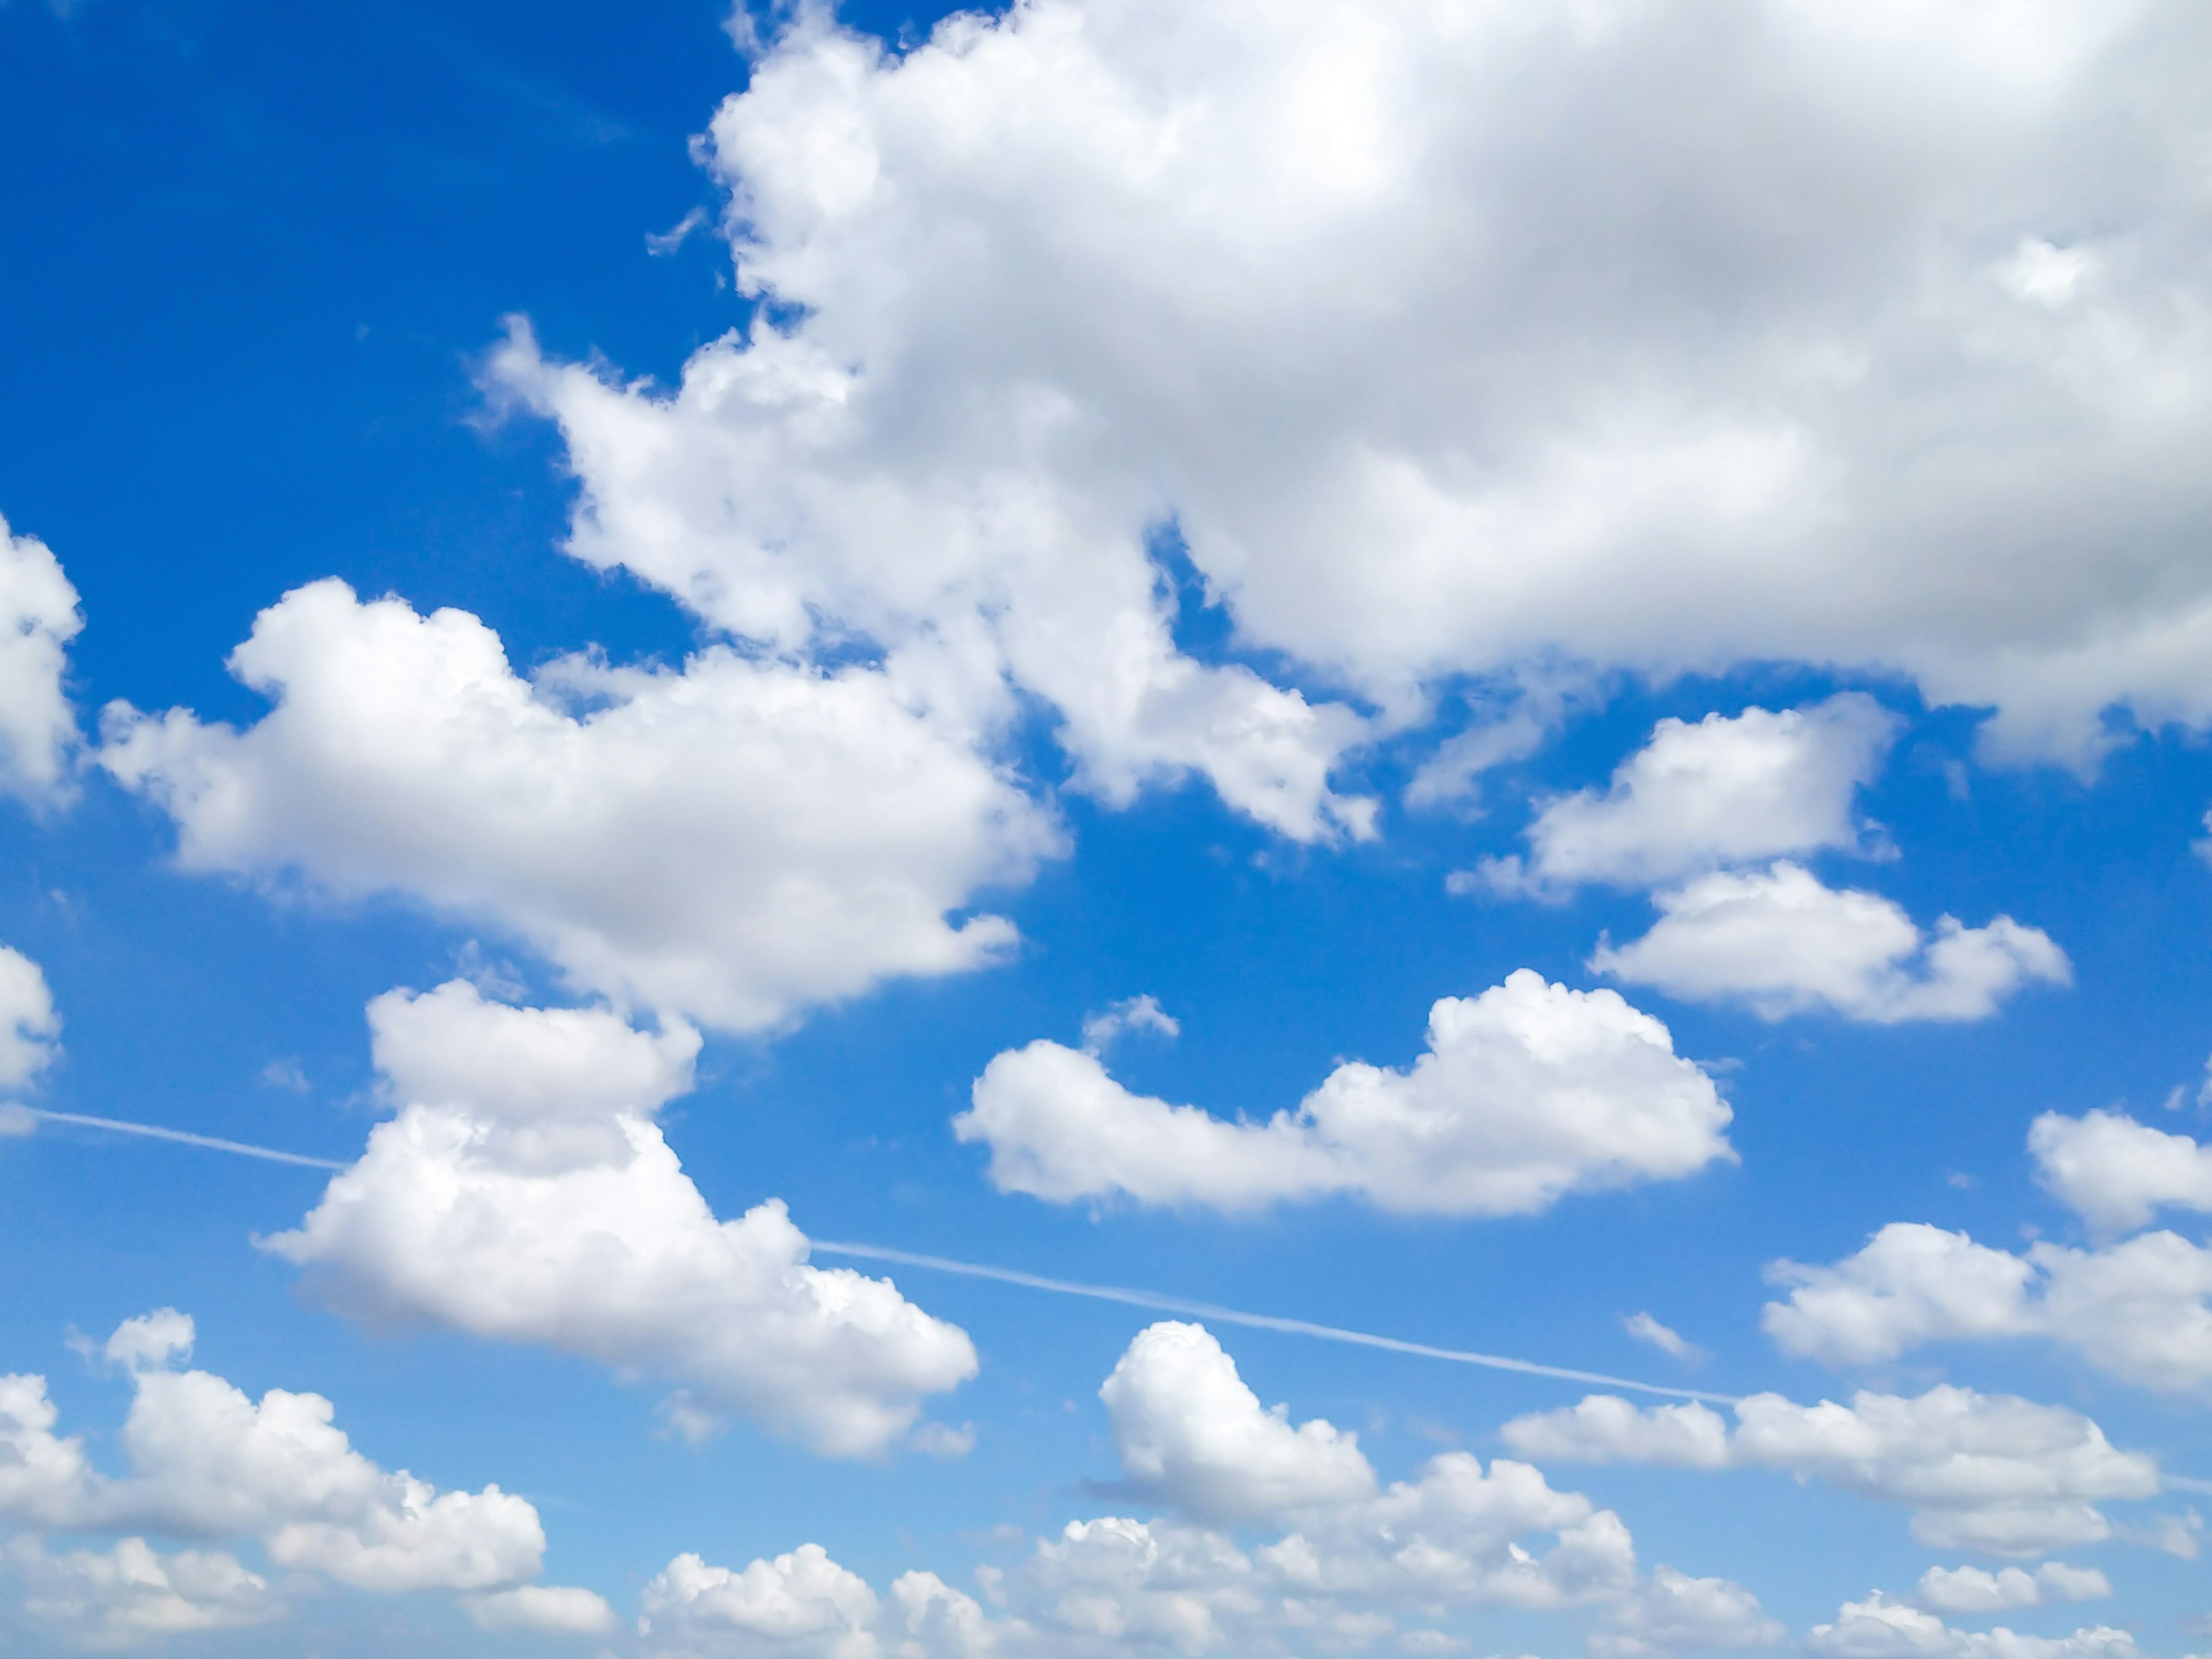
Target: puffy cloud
1781, 942
1723, 791
549, 1609
133, 1596
1192, 1434
1880, 1628
207, 1462
38, 619
799, 1604
734, 841
28, 1025
1989, 1473
524, 1193
1131, 1014
2140, 1310
1973, 1590
2116, 1173
1449, 343
1528, 1092
1673, 1612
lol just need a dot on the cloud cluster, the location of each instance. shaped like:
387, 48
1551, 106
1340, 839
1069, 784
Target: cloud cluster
1783, 943
2140, 1310
1447, 342
524, 1193
1348, 1562
1990, 1473
1882, 1628
208, 1463
1527, 1092
734, 841
39, 617
1974, 1590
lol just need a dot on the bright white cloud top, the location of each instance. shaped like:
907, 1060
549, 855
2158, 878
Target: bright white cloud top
39, 617
524, 1193
1527, 1092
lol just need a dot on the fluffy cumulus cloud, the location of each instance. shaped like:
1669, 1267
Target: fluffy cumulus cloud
39, 617
1783, 943
2117, 1174
1673, 1612
1723, 791
1882, 1628
2140, 1310
1528, 1092
1975, 1589
524, 1193
734, 841
1192, 1434
1990, 1473
29, 1027
210, 1463
1447, 342
1346, 1564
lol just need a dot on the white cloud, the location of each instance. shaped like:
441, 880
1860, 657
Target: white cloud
1451, 343
1673, 1612
1191, 1434
1142, 1013
733, 841
2140, 1310
29, 1027
1974, 1589
207, 1462
132, 1595
1723, 791
1990, 1473
2116, 1173
1527, 1092
802, 1603
548, 1609
531, 1198
1783, 943
1880, 1628
38, 619
1645, 1329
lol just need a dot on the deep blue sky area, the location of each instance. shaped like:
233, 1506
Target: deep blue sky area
252, 257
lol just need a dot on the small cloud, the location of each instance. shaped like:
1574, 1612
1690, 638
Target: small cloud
1645, 1329
1131, 1014
284, 1072
685, 1419
16, 1119
938, 1440
1960, 1180
496, 980
663, 243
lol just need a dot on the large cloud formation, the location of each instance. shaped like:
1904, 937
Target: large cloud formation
524, 1193
1527, 1092
1347, 1564
1650, 335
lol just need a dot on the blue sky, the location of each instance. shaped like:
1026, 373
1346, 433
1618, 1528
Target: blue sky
1603, 605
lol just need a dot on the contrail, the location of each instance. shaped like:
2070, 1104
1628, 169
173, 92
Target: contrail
153, 1132
1261, 1322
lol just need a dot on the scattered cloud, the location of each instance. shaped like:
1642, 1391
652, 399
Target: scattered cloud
1645, 1329
2117, 1174
39, 617
1142, 1013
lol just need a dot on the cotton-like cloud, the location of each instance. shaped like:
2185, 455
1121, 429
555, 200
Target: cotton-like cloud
1880, 1628
1449, 343
132, 1595
1973, 1590
38, 619
29, 1027
207, 1462
1983, 1472
1193, 1435
2140, 1310
1673, 1612
1781, 943
524, 1193
734, 841
1528, 1092
1345, 1563
1723, 791
548, 1609
2115, 1173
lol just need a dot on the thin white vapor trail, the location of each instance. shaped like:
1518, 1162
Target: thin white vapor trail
1160, 1304
153, 1132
